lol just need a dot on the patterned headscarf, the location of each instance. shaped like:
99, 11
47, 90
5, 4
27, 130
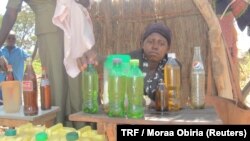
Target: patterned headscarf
158, 28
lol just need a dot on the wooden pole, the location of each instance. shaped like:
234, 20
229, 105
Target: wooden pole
219, 59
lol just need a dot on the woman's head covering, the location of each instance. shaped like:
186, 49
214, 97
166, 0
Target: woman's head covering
158, 28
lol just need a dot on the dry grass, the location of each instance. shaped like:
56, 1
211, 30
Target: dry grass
118, 27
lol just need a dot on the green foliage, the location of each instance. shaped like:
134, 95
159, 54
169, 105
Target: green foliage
244, 70
25, 28
37, 67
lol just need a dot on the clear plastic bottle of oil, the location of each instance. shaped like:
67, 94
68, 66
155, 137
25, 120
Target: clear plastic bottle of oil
172, 81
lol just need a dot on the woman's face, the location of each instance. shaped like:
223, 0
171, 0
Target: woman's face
155, 47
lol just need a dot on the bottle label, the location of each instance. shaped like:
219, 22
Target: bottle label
197, 65
27, 86
44, 82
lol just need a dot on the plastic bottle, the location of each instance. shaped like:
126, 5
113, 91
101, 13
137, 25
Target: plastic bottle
72, 136
90, 90
9, 74
135, 90
197, 81
30, 90
161, 97
45, 91
108, 64
116, 89
42, 136
172, 81
11, 93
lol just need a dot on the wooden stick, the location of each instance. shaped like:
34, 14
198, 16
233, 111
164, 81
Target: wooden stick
219, 60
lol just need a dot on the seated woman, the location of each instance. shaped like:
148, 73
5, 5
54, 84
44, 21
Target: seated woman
155, 44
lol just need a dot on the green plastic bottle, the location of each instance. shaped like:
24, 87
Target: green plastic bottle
108, 64
41, 136
116, 89
135, 90
72, 136
90, 90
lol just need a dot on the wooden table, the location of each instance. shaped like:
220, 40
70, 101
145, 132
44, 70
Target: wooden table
45, 117
107, 125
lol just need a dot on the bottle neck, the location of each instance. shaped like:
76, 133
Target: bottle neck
90, 67
197, 60
29, 66
134, 66
197, 53
117, 65
44, 74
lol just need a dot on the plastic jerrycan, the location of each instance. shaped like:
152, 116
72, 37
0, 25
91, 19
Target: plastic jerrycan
10, 135
11, 91
41, 136
25, 131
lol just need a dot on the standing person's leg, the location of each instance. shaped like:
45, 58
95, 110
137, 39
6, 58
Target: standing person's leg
75, 97
51, 54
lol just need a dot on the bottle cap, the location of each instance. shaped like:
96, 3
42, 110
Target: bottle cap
117, 61
71, 136
10, 132
171, 55
42, 136
134, 62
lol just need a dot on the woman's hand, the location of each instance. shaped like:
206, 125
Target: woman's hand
89, 57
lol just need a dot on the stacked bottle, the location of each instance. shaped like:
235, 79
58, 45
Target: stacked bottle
45, 92
90, 90
172, 81
30, 90
197, 81
116, 89
161, 97
135, 90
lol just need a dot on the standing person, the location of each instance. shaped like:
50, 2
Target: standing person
15, 56
51, 51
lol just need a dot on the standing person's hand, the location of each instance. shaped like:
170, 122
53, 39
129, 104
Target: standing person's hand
88, 57
3, 64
